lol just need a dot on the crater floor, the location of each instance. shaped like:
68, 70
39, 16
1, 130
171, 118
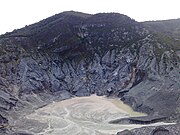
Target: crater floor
81, 116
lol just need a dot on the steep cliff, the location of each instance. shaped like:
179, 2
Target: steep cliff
76, 54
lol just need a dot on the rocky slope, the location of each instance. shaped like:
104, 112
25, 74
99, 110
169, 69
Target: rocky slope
167, 31
76, 54
158, 130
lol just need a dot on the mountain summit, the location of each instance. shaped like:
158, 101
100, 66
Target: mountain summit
76, 54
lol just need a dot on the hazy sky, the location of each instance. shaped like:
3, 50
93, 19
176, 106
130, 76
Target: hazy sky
17, 13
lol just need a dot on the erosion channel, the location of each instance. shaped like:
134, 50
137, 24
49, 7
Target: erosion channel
80, 116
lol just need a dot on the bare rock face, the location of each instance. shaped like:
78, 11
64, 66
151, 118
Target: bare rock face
76, 54
125, 132
160, 130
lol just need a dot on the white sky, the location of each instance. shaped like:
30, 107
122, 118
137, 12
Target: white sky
18, 13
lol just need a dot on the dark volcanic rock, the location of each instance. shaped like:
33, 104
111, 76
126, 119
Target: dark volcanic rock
75, 54
3, 125
3, 120
160, 130
21, 134
139, 120
125, 132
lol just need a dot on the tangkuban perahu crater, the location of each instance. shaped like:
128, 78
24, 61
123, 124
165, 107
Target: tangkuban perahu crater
47, 67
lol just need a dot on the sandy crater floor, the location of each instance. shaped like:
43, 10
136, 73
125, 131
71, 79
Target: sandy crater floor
84, 116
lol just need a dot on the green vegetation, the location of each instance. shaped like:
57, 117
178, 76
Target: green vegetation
2, 52
167, 31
